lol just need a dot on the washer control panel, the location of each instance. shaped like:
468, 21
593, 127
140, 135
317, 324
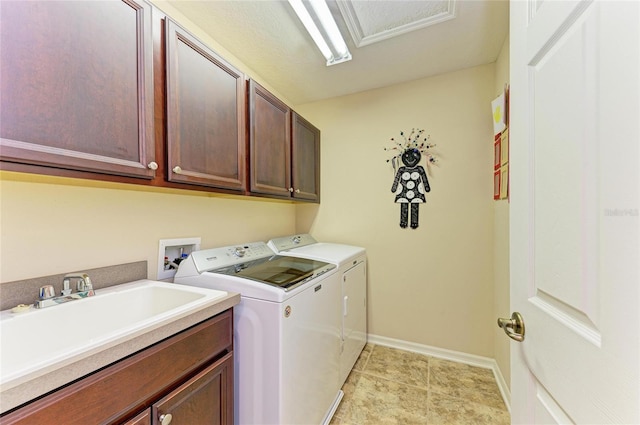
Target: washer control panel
290, 242
215, 258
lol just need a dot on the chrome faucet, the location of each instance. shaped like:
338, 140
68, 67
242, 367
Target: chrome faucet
84, 282
84, 288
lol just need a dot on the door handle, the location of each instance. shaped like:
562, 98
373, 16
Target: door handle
514, 327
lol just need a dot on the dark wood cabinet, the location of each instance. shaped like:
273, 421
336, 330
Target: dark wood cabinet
205, 114
269, 143
77, 86
284, 149
305, 159
115, 90
189, 374
206, 399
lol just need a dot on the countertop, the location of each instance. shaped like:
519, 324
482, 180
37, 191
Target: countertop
36, 387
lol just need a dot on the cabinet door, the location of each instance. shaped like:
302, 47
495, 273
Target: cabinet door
305, 163
206, 399
77, 86
269, 143
205, 114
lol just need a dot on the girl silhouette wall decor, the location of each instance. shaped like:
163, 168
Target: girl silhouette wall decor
411, 183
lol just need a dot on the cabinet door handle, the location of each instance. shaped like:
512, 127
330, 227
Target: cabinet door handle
291, 189
297, 190
153, 165
177, 169
165, 419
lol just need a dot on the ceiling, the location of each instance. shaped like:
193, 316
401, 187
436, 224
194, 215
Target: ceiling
391, 41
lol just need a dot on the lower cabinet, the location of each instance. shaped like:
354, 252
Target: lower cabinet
204, 399
184, 379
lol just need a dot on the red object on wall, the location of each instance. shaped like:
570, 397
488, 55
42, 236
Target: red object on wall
496, 152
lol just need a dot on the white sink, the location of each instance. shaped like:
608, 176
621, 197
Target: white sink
39, 340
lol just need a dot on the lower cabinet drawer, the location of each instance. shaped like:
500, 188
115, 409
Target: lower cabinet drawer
119, 391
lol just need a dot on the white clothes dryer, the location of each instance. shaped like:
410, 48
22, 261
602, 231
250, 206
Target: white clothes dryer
286, 331
351, 262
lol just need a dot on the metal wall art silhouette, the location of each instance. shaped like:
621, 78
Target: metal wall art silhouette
410, 184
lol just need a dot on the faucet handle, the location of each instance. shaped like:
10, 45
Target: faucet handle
46, 292
66, 290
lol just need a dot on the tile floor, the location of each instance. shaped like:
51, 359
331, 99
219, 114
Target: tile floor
390, 386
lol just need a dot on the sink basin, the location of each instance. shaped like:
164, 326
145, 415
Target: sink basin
40, 340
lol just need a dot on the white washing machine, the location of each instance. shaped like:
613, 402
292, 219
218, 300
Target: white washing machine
286, 331
352, 269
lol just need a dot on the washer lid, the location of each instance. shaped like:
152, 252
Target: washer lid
284, 272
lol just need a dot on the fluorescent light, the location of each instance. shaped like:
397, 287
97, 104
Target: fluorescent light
317, 19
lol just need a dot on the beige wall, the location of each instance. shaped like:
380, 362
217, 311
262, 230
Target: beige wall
501, 245
432, 285
55, 225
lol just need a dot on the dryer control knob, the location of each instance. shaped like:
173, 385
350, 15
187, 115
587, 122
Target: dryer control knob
239, 252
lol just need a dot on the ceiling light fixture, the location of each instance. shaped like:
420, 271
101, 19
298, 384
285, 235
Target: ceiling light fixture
317, 19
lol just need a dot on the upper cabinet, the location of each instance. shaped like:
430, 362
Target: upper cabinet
305, 159
77, 86
284, 149
205, 114
269, 143
115, 90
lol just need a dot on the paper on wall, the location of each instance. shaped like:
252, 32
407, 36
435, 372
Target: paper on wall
498, 112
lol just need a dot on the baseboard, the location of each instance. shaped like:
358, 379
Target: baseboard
455, 356
502, 385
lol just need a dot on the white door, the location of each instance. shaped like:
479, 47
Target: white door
575, 225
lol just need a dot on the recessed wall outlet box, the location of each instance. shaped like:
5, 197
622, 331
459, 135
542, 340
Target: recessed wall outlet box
172, 252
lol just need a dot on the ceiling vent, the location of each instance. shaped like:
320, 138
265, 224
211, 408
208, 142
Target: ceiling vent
372, 21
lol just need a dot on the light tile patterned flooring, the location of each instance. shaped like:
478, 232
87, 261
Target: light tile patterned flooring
390, 386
